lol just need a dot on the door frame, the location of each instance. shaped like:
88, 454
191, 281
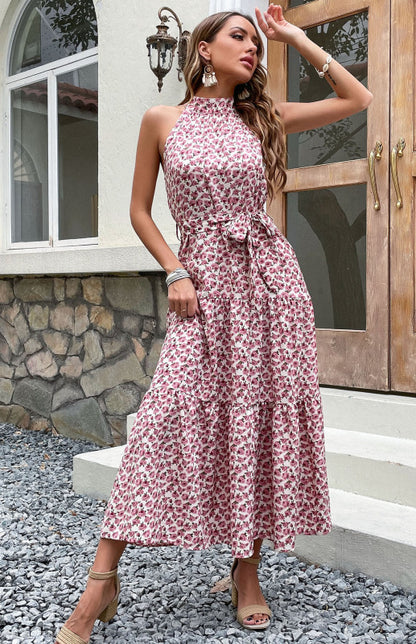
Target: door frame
403, 235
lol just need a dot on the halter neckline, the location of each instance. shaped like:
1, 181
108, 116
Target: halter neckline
216, 102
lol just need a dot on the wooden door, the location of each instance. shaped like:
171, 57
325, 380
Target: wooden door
327, 209
403, 174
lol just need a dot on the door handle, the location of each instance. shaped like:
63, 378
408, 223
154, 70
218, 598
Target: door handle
397, 151
375, 155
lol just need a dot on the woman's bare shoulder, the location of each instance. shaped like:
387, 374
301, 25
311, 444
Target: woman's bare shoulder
162, 113
158, 121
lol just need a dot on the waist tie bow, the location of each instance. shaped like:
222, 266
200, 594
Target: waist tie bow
243, 227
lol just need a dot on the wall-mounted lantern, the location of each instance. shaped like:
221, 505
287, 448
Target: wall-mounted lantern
162, 47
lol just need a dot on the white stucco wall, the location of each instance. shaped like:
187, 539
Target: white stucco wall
127, 87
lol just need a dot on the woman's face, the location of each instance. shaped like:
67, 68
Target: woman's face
233, 52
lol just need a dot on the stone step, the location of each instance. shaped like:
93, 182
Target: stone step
374, 413
377, 466
374, 537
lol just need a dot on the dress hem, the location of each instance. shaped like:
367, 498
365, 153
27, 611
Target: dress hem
288, 547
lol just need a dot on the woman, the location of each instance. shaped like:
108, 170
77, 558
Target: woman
228, 441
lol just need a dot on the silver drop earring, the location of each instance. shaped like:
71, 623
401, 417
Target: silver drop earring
208, 78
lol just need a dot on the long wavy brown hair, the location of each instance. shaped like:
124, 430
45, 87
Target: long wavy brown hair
250, 99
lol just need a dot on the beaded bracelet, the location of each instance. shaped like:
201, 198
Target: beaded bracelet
177, 274
325, 68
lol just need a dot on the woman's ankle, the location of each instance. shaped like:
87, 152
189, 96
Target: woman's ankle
94, 596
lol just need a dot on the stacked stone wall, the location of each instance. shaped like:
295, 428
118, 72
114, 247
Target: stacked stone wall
78, 353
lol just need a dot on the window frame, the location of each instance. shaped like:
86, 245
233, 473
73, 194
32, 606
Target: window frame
48, 72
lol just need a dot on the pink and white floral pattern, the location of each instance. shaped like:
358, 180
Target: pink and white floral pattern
228, 442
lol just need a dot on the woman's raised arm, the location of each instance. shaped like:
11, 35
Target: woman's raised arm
352, 96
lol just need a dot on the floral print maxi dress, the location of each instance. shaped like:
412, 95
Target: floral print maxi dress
228, 442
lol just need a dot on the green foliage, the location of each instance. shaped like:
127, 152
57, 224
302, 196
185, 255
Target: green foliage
74, 23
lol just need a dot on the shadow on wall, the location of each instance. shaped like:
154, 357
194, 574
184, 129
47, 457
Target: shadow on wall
77, 354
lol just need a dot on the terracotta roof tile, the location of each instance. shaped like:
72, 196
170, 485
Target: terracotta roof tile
84, 99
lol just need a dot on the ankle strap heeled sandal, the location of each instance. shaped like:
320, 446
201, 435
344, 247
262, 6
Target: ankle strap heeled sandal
252, 560
102, 575
108, 612
252, 609
65, 636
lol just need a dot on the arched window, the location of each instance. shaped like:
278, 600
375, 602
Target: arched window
53, 87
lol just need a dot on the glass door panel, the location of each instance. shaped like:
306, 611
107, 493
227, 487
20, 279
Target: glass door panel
347, 39
297, 3
327, 229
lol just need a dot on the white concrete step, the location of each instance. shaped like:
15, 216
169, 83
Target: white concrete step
377, 466
93, 473
374, 413
130, 420
370, 536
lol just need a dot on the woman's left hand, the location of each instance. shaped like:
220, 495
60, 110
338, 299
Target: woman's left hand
275, 27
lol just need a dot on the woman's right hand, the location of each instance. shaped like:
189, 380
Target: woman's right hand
275, 27
182, 298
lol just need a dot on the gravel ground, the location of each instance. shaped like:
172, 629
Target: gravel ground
48, 535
